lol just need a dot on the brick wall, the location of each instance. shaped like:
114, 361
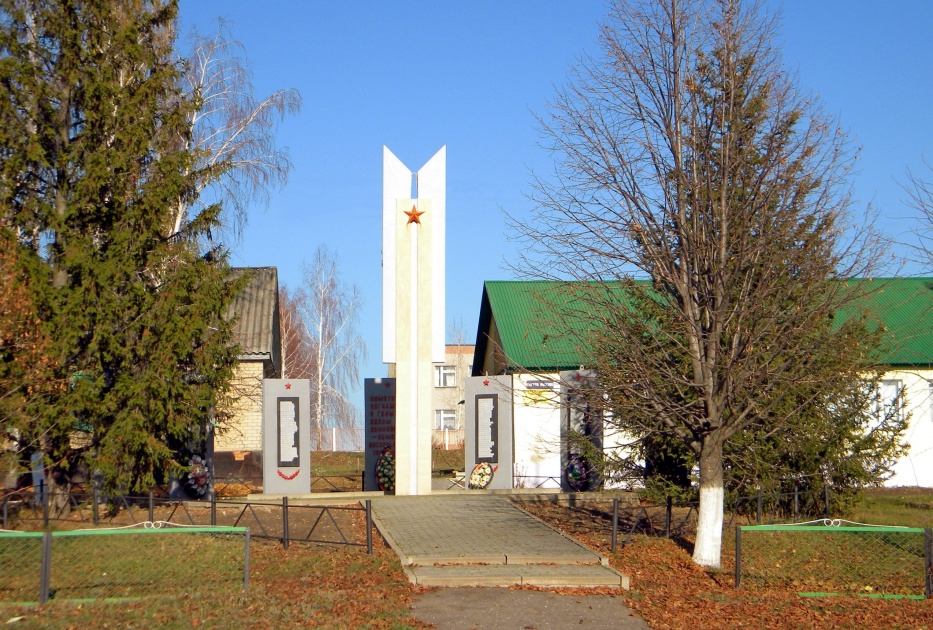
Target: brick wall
243, 431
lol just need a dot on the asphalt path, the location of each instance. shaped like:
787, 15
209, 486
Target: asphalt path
495, 608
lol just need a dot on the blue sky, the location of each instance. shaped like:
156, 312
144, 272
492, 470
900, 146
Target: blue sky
415, 75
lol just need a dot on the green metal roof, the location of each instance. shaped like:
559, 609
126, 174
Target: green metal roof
904, 306
527, 334
524, 315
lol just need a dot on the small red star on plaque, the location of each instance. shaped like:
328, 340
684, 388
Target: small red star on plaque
486, 383
288, 385
413, 216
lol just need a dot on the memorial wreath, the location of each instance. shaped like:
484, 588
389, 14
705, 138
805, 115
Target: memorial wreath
481, 476
198, 477
385, 470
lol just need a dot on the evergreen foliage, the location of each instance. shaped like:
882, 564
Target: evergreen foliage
93, 131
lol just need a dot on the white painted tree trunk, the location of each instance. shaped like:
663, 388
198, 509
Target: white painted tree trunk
707, 551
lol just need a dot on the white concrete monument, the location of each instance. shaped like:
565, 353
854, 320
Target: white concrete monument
413, 320
286, 436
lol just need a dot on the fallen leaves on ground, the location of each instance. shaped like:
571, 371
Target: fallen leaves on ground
669, 591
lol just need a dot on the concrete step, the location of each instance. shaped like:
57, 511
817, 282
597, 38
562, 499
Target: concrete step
586, 575
484, 540
542, 557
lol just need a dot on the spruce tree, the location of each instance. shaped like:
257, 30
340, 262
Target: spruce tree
92, 157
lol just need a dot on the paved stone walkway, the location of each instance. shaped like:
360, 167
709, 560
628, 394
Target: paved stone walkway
507, 609
484, 540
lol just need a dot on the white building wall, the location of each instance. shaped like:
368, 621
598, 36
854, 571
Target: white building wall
537, 434
460, 358
915, 468
617, 442
244, 430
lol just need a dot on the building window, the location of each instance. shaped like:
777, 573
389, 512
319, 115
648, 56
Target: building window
445, 376
445, 419
889, 401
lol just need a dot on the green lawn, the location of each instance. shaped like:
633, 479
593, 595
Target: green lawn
305, 586
326, 463
907, 507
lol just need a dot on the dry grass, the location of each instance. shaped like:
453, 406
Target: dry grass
305, 586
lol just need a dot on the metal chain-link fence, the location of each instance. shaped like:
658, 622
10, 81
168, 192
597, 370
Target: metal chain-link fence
831, 558
321, 524
122, 563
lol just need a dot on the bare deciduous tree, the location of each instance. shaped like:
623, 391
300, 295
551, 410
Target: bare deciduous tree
322, 343
232, 131
686, 156
920, 192
298, 348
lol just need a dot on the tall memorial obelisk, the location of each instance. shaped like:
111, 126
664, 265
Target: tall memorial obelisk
413, 320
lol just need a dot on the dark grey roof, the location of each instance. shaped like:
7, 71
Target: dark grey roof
256, 309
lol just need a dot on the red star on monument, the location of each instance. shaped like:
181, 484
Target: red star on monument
288, 385
413, 216
486, 383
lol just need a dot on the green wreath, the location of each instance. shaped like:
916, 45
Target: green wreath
385, 470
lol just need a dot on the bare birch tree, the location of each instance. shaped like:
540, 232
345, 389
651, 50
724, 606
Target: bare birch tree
328, 348
298, 348
686, 156
232, 131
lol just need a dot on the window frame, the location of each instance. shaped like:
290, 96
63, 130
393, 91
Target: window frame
442, 415
445, 376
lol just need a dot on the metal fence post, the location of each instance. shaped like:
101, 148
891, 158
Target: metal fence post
6, 512
246, 565
667, 517
615, 523
213, 510
369, 527
46, 568
796, 503
738, 556
363, 481
928, 564
758, 512
151, 506
95, 499
45, 503
285, 522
